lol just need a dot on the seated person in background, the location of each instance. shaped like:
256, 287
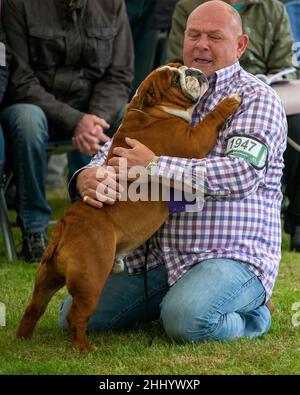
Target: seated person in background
212, 270
147, 19
71, 73
269, 51
3, 83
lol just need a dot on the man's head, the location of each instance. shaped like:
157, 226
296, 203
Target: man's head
213, 38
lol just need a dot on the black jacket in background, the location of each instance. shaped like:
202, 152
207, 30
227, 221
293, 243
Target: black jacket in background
69, 61
3, 69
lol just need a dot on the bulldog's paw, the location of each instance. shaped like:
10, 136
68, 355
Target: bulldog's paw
26, 327
229, 105
118, 266
82, 347
235, 97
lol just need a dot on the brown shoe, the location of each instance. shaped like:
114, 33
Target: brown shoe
270, 306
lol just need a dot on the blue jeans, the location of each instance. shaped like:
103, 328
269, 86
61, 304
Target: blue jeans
27, 136
217, 299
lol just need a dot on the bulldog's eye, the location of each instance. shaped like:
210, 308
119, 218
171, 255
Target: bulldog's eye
175, 79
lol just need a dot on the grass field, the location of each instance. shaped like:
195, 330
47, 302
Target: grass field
50, 352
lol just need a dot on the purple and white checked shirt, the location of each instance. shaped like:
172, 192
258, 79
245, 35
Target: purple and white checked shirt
240, 218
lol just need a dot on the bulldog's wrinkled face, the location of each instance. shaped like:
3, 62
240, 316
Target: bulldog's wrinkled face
173, 88
193, 82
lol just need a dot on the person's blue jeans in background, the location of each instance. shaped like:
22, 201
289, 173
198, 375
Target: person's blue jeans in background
217, 299
27, 135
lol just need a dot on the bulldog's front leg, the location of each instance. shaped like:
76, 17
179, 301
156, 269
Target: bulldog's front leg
228, 106
206, 133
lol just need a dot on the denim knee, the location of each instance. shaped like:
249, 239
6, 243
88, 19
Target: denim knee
26, 122
184, 324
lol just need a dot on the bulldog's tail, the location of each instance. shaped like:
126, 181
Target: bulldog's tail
53, 244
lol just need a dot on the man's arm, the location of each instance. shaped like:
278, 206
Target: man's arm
24, 85
110, 94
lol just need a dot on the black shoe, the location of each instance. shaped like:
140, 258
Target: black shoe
34, 245
295, 240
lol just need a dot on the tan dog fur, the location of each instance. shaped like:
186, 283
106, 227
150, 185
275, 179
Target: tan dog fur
86, 240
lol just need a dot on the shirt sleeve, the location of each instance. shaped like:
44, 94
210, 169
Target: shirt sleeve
260, 117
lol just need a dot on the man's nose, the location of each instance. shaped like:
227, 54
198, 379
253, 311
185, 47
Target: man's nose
202, 43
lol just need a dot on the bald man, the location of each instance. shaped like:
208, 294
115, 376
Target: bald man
226, 26
211, 271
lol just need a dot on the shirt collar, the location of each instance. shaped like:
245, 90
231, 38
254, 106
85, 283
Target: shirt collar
220, 79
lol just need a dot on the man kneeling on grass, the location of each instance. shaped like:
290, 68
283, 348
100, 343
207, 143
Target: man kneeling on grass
211, 271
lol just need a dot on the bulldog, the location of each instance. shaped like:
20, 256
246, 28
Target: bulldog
86, 240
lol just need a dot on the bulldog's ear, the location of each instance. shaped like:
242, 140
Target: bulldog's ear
174, 65
148, 96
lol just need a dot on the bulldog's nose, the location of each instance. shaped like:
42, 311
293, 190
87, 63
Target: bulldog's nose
191, 72
196, 73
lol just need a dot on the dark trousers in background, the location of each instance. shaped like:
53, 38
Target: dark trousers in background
291, 177
140, 15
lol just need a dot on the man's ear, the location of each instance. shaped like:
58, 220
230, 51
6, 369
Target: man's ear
148, 96
242, 44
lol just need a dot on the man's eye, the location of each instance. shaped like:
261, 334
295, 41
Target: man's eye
213, 37
193, 36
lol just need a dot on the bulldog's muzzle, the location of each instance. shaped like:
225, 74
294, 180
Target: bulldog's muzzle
193, 82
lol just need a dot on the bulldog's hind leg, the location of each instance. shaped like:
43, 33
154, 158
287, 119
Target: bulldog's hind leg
47, 283
85, 286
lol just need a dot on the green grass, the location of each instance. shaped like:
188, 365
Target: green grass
50, 351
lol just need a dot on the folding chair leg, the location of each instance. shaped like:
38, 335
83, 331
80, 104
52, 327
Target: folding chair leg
6, 228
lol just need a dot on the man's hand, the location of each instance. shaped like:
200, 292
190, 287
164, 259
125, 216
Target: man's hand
98, 185
88, 133
137, 155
